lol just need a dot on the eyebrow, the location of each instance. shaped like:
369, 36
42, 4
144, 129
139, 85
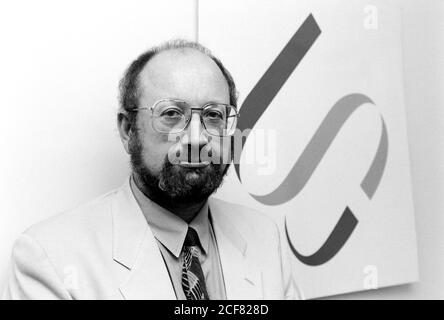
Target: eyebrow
201, 105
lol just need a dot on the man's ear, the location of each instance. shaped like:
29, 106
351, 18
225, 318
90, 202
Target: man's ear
125, 129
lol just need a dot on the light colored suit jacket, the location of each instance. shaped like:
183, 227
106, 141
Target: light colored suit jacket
106, 250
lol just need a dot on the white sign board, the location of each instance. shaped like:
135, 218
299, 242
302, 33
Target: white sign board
321, 86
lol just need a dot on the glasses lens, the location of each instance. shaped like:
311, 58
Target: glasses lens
219, 119
170, 116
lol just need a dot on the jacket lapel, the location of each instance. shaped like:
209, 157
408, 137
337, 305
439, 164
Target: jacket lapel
242, 279
135, 248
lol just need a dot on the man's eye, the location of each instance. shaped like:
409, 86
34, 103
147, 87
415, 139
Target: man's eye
214, 115
172, 113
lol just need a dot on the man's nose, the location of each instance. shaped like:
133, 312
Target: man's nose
195, 135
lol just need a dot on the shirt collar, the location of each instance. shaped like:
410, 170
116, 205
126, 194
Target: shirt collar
167, 227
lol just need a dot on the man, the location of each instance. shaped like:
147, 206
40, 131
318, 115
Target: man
160, 236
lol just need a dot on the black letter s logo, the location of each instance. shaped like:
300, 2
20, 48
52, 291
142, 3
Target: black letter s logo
255, 105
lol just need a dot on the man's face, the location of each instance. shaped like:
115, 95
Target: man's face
193, 77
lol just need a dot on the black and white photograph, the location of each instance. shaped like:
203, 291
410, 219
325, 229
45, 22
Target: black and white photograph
222, 150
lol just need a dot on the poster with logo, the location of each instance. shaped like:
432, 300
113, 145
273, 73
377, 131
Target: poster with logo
321, 88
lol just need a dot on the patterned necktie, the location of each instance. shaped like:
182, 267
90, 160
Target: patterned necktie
193, 281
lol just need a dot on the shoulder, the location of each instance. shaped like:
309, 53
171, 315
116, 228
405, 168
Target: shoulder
79, 227
244, 218
74, 242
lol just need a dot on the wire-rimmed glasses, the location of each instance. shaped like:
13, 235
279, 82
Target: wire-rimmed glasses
173, 116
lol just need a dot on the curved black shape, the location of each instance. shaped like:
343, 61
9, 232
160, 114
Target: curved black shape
335, 241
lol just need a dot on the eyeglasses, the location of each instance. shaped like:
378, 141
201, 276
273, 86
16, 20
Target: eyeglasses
173, 116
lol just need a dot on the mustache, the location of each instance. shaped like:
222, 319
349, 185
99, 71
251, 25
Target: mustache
169, 167
201, 154
190, 154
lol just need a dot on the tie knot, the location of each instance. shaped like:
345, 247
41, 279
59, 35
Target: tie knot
192, 238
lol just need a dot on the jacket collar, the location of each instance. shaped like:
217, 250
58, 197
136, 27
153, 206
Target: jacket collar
167, 227
135, 248
241, 276
129, 226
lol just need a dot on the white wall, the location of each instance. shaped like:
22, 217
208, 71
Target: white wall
424, 87
60, 63
58, 86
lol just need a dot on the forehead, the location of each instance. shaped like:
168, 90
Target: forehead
186, 74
